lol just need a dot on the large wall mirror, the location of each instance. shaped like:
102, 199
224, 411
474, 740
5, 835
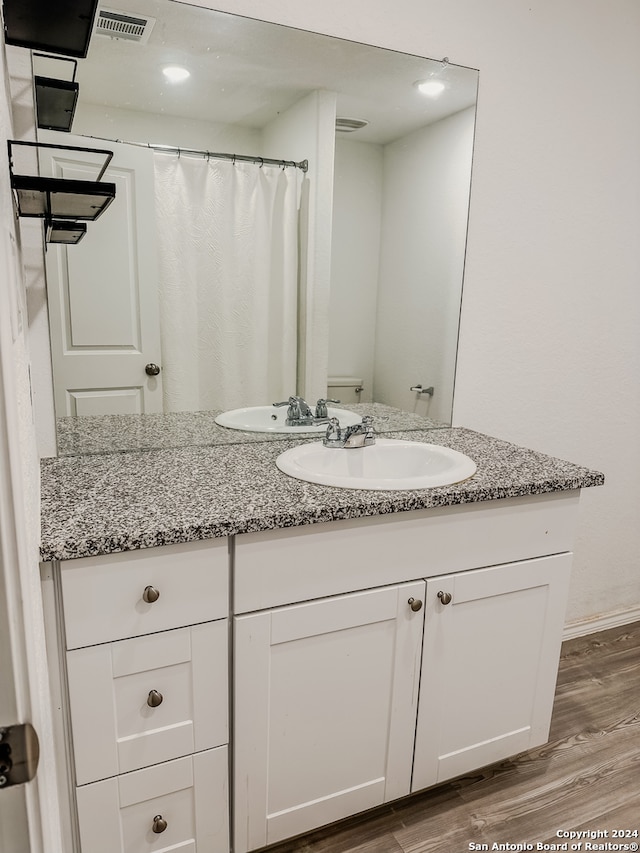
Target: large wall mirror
323, 256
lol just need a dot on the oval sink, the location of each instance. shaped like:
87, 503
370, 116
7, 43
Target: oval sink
272, 419
387, 464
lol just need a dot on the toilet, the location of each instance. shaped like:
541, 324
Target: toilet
347, 389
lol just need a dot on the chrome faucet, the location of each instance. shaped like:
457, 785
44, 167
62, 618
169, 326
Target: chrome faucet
299, 412
358, 435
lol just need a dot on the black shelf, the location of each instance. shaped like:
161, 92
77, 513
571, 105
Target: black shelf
54, 26
55, 103
64, 204
65, 232
61, 198
56, 98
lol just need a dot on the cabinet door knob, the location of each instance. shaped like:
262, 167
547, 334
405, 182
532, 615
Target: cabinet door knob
445, 597
415, 604
154, 698
150, 594
159, 824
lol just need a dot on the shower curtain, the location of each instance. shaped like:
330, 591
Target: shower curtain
228, 272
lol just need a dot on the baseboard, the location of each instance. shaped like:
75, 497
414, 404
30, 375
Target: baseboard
601, 623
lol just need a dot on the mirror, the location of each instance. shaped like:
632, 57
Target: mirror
366, 307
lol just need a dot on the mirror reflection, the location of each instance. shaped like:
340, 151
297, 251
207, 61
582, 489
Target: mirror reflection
290, 218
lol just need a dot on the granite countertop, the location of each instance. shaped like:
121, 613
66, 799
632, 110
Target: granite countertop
111, 433
101, 504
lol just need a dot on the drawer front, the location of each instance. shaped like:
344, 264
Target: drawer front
279, 567
104, 597
190, 795
144, 701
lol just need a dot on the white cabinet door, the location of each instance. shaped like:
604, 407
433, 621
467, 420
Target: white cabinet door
151, 698
181, 806
489, 665
325, 707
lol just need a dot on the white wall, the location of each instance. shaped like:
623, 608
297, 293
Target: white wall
424, 225
399, 230
306, 131
134, 126
21, 84
550, 351
357, 212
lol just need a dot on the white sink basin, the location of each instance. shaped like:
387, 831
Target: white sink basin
387, 464
272, 419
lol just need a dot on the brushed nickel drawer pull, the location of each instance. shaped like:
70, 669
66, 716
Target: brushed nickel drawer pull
159, 824
415, 604
445, 597
150, 594
154, 698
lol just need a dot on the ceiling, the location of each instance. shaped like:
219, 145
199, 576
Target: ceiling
245, 72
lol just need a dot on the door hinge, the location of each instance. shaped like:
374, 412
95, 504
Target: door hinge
19, 754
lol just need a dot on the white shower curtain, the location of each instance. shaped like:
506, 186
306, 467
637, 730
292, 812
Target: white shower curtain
228, 271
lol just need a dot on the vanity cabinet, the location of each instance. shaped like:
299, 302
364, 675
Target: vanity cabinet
372, 658
344, 702
143, 683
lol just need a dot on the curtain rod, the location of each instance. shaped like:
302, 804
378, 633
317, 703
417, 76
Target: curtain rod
303, 165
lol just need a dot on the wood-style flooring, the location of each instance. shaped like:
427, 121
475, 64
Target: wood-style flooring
587, 777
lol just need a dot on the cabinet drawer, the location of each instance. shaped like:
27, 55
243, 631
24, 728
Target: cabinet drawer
147, 700
191, 794
103, 596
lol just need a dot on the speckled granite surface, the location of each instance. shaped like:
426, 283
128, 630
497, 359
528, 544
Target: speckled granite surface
112, 433
105, 503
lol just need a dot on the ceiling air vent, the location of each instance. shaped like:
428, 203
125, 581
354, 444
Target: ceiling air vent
348, 125
123, 25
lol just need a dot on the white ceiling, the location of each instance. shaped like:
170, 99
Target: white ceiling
245, 71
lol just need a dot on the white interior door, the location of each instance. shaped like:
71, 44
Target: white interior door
102, 292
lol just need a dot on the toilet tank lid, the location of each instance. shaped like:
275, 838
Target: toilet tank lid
343, 381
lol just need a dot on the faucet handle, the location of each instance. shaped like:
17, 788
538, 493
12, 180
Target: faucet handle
321, 407
367, 423
296, 406
333, 433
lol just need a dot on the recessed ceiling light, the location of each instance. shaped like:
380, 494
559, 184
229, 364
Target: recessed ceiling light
175, 74
431, 88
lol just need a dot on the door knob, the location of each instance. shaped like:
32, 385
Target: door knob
151, 369
415, 604
445, 597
